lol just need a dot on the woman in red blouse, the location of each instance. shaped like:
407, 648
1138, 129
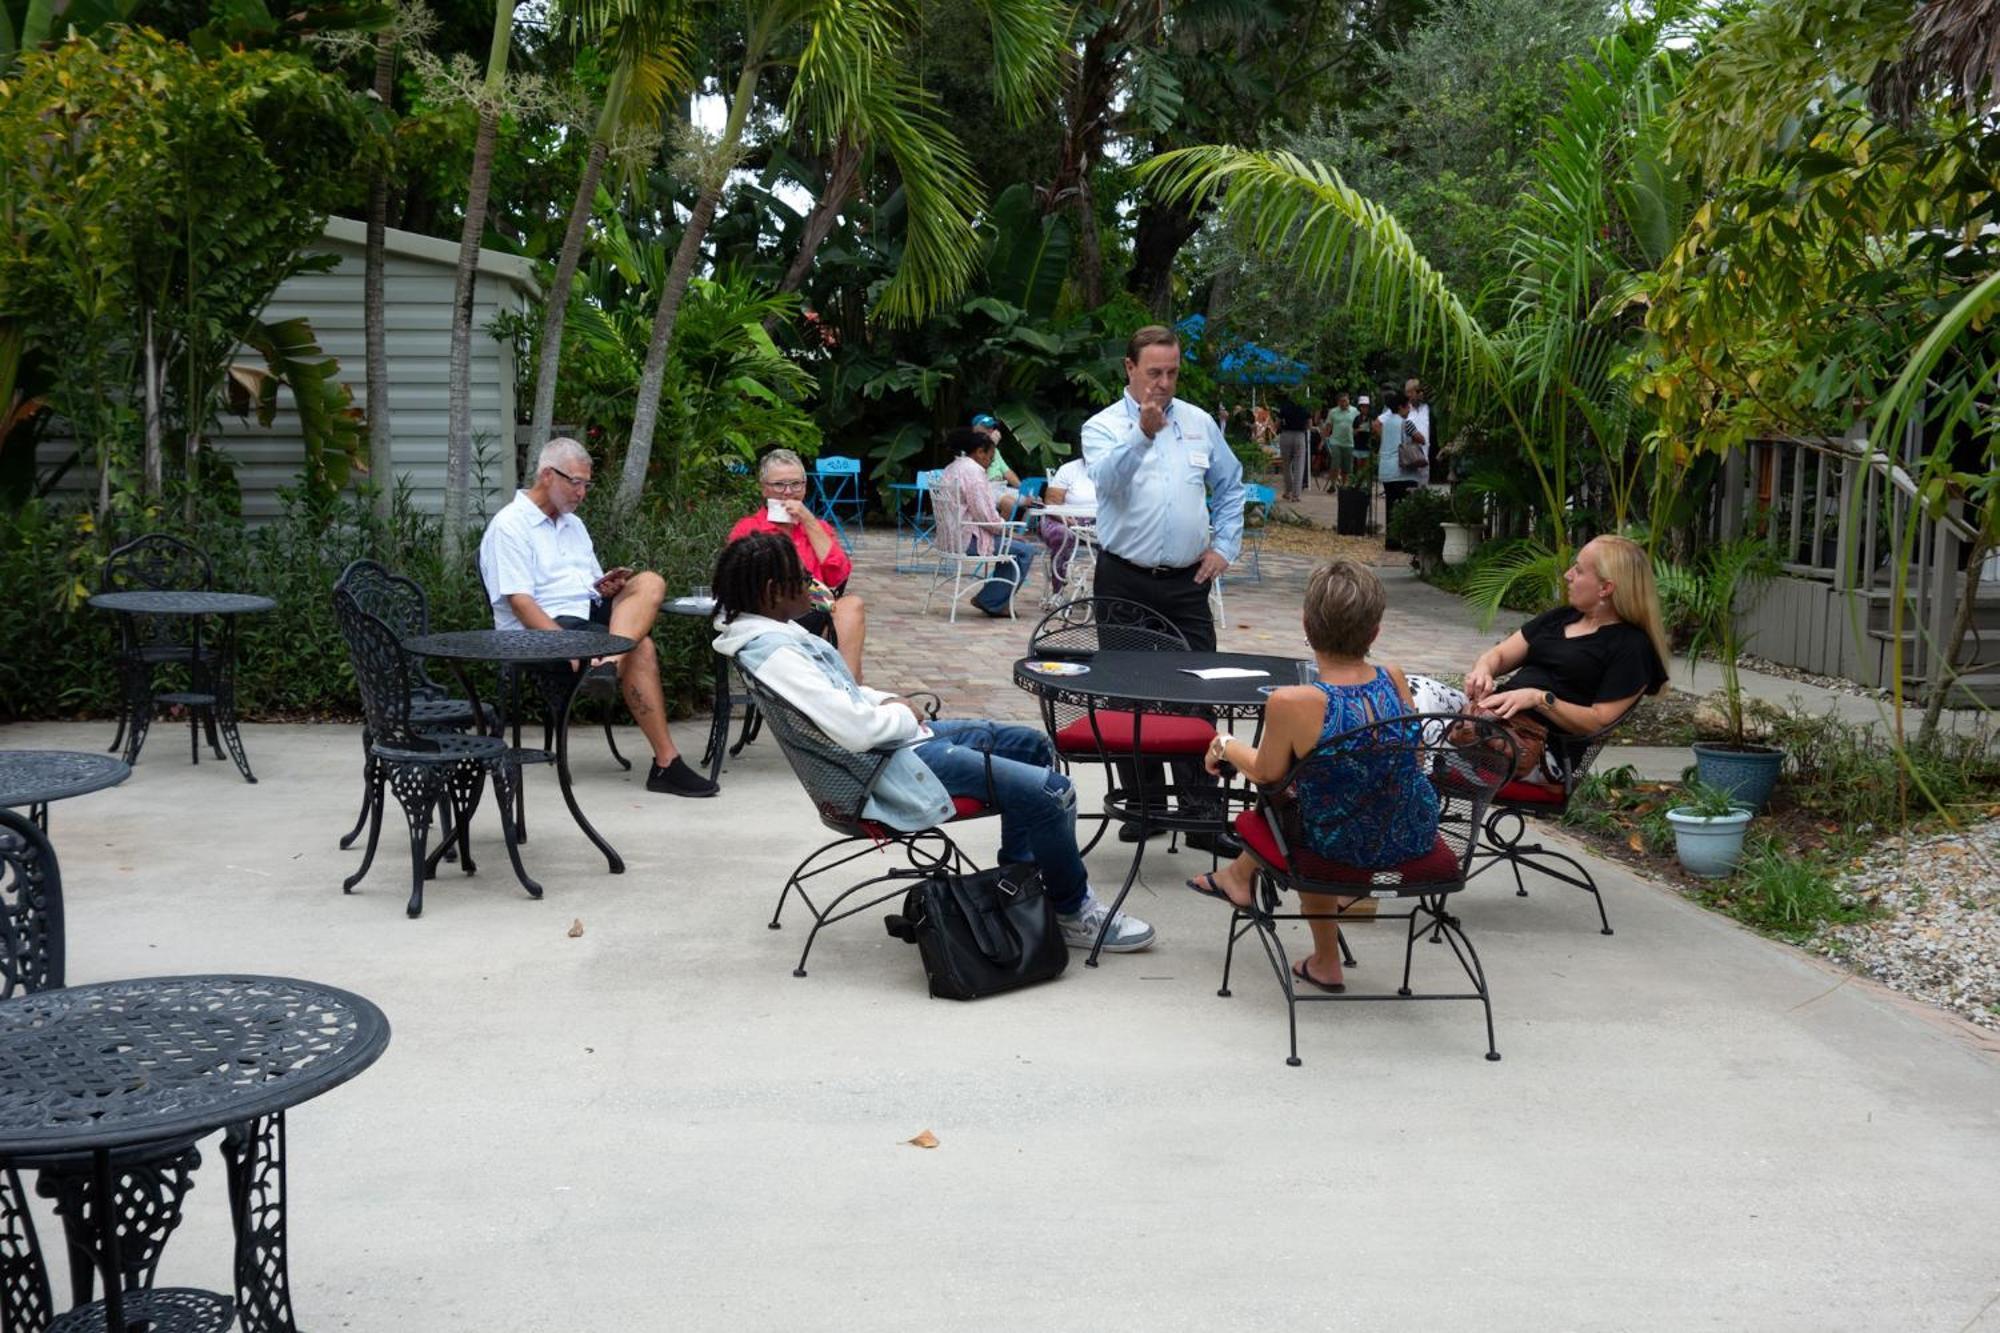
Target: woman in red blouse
837, 614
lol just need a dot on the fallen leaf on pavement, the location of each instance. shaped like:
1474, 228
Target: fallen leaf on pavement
1636, 843
923, 1140
576, 928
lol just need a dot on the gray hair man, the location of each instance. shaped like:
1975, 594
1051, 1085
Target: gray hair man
541, 572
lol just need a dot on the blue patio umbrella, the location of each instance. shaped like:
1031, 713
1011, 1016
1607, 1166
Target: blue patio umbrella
1251, 364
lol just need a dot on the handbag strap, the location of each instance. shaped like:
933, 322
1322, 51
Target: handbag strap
984, 907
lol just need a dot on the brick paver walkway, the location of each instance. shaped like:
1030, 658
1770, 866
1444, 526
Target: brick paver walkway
969, 664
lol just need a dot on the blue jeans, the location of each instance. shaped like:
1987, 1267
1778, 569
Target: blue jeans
993, 597
1037, 804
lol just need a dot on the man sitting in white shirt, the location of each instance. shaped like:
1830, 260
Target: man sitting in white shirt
542, 573
1071, 485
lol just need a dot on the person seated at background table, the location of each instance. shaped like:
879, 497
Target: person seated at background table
963, 488
1388, 817
760, 590
1574, 670
1001, 480
1071, 485
837, 614
542, 573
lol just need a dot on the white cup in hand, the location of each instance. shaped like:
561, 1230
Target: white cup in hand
775, 511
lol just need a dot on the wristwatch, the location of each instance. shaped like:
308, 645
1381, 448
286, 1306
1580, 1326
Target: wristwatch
1548, 698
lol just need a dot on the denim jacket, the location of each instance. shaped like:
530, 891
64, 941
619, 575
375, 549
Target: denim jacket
809, 674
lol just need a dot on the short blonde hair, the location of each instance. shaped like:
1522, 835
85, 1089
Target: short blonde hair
1344, 605
1635, 596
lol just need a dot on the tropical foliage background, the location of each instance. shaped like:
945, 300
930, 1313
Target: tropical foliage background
1620, 243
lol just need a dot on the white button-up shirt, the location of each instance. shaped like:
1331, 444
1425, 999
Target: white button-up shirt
550, 559
1153, 496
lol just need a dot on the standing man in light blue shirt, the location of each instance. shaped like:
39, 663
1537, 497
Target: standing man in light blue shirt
1155, 460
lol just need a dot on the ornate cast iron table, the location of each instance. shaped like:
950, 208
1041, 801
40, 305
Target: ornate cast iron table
123, 1064
546, 656
211, 696
1138, 685
36, 777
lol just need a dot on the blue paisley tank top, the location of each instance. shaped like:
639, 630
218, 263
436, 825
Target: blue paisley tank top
1368, 804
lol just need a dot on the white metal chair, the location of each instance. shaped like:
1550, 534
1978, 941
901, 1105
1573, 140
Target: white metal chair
951, 533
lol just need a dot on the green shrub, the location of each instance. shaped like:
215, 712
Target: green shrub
1417, 525
1851, 775
292, 662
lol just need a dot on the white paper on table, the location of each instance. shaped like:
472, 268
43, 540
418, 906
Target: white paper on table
1224, 673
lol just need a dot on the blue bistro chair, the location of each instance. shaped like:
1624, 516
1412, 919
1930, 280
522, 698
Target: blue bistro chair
915, 524
837, 492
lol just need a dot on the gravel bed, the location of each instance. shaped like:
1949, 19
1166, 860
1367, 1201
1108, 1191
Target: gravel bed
1939, 939
1765, 667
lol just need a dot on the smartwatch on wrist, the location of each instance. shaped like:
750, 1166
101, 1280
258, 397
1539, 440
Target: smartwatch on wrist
1548, 698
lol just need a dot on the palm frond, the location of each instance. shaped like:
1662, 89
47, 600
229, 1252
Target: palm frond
1030, 48
941, 249
1523, 563
1283, 204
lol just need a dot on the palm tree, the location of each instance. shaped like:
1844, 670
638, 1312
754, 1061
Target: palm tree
490, 99
850, 80
651, 44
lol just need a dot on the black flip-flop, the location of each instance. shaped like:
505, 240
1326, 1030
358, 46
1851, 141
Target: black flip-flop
1213, 890
1300, 971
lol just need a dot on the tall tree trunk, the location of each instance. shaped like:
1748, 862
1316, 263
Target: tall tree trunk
1961, 624
714, 175
155, 480
549, 355
458, 439
645, 414
458, 436
381, 449
843, 172
1164, 227
1090, 255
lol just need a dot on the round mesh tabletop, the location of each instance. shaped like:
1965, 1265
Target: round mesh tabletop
34, 777
123, 1062
1159, 682
518, 645
170, 603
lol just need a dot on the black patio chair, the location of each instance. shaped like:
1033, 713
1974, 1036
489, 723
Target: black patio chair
839, 781
1464, 772
421, 767
154, 563
1077, 631
1568, 760
400, 603
149, 1180
31, 909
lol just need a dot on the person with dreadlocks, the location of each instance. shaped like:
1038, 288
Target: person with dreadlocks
760, 591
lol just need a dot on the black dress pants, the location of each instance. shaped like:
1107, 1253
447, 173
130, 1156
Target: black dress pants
1184, 603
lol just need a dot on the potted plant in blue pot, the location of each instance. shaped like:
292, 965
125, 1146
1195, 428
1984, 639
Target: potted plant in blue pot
1734, 763
1708, 830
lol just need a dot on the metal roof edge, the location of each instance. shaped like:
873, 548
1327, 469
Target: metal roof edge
414, 245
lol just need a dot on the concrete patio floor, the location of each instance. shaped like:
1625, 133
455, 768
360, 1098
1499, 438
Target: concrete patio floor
656, 1126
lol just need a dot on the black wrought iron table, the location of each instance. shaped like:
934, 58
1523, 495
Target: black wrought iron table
555, 660
122, 1064
1139, 685
725, 701
36, 777
211, 696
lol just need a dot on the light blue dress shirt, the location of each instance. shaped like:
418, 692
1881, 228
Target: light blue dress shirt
1388, 462
1153, 505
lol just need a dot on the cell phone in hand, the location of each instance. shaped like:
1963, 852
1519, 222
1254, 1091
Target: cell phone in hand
613, 577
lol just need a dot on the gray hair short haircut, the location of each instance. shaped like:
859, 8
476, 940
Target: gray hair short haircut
562, 453
778, 458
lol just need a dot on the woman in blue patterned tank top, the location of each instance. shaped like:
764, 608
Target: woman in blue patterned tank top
1365, 807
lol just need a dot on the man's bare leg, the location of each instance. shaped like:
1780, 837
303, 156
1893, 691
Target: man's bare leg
633, 612
850, 627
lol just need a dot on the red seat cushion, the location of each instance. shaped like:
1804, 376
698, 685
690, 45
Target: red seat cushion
1160, 733
962, 807
1436, 866
1518, 792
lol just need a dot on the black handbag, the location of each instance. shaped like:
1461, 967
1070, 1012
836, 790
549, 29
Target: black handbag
983, 933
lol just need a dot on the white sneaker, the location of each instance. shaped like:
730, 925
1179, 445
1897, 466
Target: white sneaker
1128, 934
